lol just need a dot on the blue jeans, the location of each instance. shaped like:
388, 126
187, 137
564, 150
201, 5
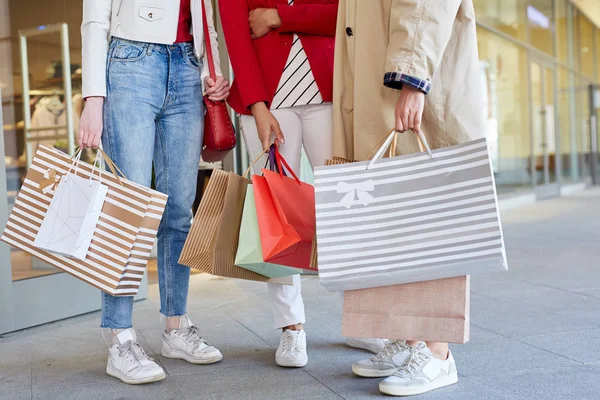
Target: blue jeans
153, 113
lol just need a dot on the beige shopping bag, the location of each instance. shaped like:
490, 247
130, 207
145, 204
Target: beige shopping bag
111, 264
435, 311
212, 243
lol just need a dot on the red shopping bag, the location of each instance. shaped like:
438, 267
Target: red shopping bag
285, 207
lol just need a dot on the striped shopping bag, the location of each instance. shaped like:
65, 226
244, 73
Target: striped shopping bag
123, 238
411, 218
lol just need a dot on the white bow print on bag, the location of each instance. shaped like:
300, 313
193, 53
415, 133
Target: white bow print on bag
356, 190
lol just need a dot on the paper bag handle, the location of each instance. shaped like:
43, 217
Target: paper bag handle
280, 160
391, 137
112, 166
247, 173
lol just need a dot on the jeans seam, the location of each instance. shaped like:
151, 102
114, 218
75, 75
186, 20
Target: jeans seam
167, 239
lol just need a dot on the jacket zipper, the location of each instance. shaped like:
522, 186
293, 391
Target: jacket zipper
119, 8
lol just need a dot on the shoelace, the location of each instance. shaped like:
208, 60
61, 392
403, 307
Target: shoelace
192, 336
415, 360
391, 349
134, 350
290, 341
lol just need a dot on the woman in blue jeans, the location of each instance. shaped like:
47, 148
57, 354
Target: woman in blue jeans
143, 81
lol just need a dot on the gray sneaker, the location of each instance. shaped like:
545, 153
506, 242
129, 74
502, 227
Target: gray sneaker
420, 373
384, 363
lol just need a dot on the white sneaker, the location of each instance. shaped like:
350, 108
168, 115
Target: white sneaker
186, 344
420, 373
128, 362
372, 345
292, 349
385, 363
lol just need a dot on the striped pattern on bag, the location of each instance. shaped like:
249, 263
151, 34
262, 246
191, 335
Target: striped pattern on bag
408, 219
123, 237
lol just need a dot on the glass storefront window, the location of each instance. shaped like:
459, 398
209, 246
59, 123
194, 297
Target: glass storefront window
507, 16
567, 119
540, 18
586, 49
47, 102
583, 127
565, 32
504, 69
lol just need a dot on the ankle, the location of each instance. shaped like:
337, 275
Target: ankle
296, 327
173, 323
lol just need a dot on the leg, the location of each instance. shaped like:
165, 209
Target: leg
317, 129
128, 138
177, 155
288, 307
180, 126
287, 303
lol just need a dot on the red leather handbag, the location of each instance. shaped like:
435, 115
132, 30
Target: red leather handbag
219, 135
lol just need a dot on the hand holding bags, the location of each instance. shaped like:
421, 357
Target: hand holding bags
408, 219
286, 216
123, 237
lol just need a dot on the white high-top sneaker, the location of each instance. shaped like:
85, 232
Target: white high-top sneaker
128, 362
384, 363
420, 373
186, 344
292, 349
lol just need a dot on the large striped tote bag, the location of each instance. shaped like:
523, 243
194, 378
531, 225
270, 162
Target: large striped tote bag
123, 237
411, 218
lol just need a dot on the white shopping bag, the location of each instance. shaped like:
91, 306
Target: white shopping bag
411, 218
69, 224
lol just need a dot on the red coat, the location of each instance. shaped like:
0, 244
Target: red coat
258, 64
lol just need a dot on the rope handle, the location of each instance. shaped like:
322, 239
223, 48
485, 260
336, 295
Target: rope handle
391, 138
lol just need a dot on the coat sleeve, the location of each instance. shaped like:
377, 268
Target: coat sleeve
95, 29
419, 33
213, 42
248, 76
310, 19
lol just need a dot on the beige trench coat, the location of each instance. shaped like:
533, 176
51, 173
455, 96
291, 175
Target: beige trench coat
428, 39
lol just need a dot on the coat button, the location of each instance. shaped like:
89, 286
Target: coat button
150, 15
349, 31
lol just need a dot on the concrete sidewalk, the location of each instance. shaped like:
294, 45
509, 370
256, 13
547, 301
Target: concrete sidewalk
535, 332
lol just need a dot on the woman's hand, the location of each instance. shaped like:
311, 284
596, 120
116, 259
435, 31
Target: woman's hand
91, 124
218, 90
262, 20
267, 124
409, 109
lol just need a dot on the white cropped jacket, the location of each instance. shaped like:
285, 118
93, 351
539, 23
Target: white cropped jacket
150, 21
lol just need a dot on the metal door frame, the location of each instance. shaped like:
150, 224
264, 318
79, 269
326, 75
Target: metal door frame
548, 189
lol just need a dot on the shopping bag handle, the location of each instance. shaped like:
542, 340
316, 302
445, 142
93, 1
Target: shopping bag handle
247, 173
391, 137
112, 166
280, 160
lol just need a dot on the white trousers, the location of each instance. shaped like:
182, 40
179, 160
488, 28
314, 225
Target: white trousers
309, 126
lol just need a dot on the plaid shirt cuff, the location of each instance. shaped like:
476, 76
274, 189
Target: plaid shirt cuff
396, 80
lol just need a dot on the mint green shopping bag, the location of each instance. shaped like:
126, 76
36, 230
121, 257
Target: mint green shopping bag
249, 253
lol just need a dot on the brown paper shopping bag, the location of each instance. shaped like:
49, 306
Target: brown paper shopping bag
123, 237
212, 243
436, 311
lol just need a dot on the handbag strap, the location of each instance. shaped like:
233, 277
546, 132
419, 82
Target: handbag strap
208, 44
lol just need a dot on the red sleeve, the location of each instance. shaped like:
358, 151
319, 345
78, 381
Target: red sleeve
310, 19
248, 76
